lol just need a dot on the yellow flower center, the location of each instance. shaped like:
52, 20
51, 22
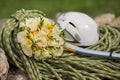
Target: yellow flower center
49, 26
29, 41
35, 32
47, 38
35, 48
50, 30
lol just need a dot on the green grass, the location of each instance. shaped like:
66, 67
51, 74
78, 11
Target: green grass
51, 7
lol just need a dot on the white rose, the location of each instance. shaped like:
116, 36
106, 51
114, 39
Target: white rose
61, 41
53, 43
27, 49
37, 54
44, 33
37, 19
46, 21
41, 54
45, 54
37, 36
58, 52
42, 42
32, 23
56, 31
21, 37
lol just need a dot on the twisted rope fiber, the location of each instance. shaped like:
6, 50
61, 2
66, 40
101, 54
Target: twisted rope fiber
69, 66
109, 40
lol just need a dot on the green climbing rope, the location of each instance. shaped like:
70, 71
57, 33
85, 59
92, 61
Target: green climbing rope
69, 66
109, 40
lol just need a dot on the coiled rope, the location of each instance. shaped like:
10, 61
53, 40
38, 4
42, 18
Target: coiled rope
67, 67
109, 40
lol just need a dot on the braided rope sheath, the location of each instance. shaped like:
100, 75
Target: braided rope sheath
67, 67
109, 39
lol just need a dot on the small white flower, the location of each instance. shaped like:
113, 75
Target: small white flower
32, 23
58, 52
56, 31
45, 54
46, 21
61, 41
27, 49
36, 37
44, 32
41, 54
21, 37
37, 54
42, 43
37, 19
53, 43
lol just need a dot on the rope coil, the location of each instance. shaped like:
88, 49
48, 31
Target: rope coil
66, 67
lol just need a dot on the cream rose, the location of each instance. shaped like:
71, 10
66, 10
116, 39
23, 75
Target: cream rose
32, 23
